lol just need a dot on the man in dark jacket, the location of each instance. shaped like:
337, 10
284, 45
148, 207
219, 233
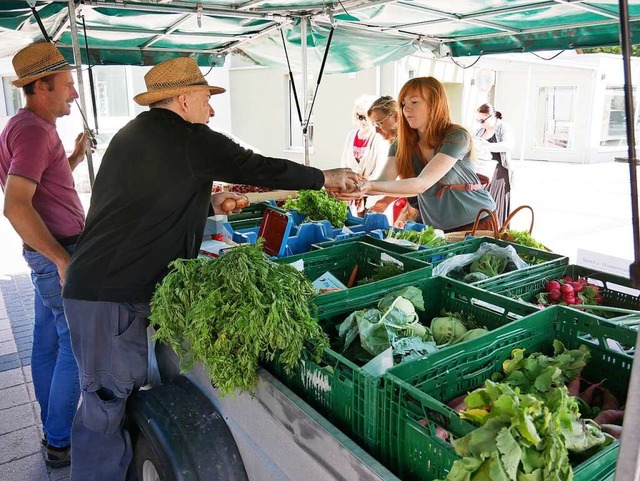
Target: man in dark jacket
149, 207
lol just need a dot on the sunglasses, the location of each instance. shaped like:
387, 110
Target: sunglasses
379, 123
485, 119
361, 117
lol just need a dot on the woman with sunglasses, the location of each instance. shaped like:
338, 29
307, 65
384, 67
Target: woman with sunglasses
364, 151
497, 137
432, 159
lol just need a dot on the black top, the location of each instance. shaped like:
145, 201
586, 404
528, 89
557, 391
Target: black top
150, 202
494, 155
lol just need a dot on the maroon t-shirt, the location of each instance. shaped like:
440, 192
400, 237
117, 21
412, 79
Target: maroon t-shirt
30, 147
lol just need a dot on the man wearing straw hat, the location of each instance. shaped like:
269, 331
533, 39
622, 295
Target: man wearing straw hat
44, 208
149, 207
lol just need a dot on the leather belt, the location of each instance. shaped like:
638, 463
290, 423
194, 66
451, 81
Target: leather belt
64, 242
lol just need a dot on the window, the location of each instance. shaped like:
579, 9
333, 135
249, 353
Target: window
295, 139
554, 123
613, 132
12, 96
112, 97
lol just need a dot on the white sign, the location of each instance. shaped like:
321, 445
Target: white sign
603, 263
484, 79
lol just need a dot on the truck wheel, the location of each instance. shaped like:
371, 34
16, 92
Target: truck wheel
180, 436
149, 466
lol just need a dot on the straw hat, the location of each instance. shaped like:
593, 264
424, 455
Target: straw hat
36, 61
172, 78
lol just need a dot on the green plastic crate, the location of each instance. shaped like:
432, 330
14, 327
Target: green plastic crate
350, 397
471, 245
341, 259
617, 291
417, 393
367, 239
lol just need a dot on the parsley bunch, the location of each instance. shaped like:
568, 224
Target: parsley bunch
318, 205
234, 311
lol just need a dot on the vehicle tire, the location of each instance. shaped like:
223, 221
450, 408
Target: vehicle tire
179, 435
149, 465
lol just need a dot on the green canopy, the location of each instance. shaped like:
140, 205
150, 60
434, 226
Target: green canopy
367, 32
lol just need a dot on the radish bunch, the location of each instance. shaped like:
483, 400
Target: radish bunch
569, 292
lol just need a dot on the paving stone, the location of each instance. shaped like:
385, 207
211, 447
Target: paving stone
10, 361
14, 377
29, 468
18, 417
27, 374
14, 396
31, 391
5, 324
20, 443
8, 347
6, 335
23, 355
25, 328
61, 474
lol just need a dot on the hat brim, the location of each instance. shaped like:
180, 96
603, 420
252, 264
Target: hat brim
148, 98
21, 82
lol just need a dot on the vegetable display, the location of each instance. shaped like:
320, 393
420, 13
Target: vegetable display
569, 292
319, 205
524, 238
233, 311
429, 236
394, 322
529, 421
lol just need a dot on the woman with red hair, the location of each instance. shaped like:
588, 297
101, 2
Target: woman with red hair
431, 159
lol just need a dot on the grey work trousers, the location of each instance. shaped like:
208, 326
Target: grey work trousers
109, 341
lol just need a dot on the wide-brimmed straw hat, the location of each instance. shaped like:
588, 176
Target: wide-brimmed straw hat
172, 78
36, 61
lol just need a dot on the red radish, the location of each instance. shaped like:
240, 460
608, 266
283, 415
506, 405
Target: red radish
610, 416
551, 285
609, 401
577, 287
458, 403
587, 394
583, 281
574, 386
612, 430
568, 278
555, 295
442, 433
599, 299
570, 300
566, 288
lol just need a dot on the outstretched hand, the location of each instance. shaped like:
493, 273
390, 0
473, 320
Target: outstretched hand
342, 180
220, 206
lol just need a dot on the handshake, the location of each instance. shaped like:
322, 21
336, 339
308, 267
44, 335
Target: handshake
344, 183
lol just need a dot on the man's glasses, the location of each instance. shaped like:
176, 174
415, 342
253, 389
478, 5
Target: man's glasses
485, 119
379, 123
361, 117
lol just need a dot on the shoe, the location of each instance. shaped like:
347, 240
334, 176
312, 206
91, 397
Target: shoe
57, 457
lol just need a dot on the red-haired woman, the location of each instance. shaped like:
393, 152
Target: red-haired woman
432, 159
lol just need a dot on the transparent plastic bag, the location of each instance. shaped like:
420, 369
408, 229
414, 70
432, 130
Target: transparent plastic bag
462, 260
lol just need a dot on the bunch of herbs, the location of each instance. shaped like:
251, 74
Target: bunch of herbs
232, 312
319, 205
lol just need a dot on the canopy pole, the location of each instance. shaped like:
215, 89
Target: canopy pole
77, 59
628, 462
305, 81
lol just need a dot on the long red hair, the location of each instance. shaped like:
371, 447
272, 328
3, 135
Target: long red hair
432, 91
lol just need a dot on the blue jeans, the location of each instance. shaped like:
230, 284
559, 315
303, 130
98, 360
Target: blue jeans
53, 367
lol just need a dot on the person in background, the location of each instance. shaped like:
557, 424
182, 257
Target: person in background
149, 207
44, 208
432, 159
364, 151
384, 114
497, 137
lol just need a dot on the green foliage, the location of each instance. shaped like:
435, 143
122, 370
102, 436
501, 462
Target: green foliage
635, 50
523, 237
489, 264
528, 422
233, 311
383, 271
318, 205
428, 236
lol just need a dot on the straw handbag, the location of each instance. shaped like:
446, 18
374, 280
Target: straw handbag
496, 232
